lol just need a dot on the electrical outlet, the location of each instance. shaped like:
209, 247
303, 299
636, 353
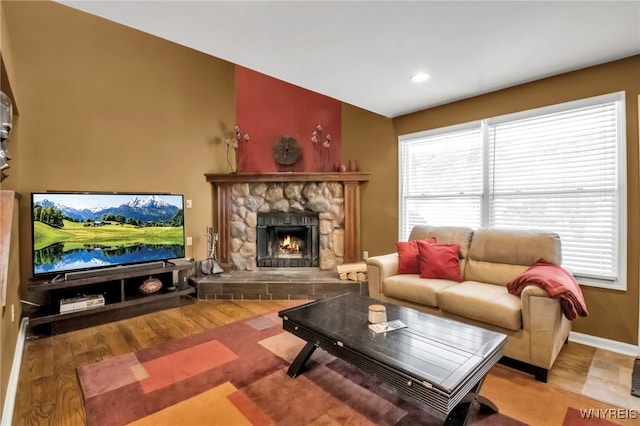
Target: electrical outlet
189, 241
189, 204
365, 254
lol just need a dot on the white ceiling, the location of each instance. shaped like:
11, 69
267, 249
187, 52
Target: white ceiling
363, 52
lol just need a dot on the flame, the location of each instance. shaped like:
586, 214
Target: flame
288, 245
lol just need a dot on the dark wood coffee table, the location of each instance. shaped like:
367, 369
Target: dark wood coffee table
438, 361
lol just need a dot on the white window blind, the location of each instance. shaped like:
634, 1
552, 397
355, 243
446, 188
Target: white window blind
441, 180
560, 168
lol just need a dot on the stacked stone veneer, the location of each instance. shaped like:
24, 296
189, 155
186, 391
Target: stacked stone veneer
325, 198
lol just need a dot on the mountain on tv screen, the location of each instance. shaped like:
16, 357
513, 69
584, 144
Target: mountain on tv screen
80, 231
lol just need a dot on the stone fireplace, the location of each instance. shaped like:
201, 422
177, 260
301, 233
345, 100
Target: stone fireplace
319, 212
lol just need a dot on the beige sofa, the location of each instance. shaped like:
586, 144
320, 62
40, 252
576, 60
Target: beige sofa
489, 259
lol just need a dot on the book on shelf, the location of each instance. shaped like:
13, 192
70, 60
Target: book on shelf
80, 303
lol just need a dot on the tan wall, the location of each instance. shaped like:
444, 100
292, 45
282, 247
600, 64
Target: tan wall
369, 139
9, 84
108, 108
11, 312
613, 314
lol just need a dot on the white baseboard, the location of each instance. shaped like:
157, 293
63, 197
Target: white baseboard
12, 386
599, 342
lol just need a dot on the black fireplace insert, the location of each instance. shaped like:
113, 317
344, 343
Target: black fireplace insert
287, 239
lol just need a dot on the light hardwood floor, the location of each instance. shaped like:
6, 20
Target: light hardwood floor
48, 391
597, 373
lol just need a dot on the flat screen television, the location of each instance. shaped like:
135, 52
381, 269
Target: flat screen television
83, 231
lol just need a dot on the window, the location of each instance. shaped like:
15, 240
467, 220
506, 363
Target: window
560, 168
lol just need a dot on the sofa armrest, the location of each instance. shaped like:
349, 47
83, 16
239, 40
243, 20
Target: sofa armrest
379, 268
548, 328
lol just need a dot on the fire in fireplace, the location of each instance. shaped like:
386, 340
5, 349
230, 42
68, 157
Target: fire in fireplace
287, 239
289, 246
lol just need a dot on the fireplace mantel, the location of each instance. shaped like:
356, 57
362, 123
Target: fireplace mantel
288, 177
351, 181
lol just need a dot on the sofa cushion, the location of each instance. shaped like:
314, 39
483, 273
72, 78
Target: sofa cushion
482, 302
498, 255
408, 260
412, 288
439, 261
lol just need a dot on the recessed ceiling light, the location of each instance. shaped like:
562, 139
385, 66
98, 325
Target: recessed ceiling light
419, 77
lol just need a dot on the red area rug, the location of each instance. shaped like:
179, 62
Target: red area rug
236, 375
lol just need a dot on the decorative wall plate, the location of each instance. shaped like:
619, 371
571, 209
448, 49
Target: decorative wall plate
286, 151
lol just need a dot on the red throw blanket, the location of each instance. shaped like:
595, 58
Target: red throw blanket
557, 282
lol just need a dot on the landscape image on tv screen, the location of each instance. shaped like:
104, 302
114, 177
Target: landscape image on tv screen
79, 231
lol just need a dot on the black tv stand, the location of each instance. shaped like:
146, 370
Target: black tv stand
119, 288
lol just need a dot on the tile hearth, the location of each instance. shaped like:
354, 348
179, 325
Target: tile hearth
275, 284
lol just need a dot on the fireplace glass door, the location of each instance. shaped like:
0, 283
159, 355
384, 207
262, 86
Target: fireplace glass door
287, 239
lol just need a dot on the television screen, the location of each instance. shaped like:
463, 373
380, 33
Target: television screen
80, 231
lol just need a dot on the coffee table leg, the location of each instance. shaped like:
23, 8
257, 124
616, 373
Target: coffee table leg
296, 366
460, 413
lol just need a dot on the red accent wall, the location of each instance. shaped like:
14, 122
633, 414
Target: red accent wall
267, 109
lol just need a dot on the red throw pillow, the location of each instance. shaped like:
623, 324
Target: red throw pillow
408, 262
440, 261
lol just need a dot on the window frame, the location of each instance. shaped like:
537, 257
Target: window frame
484, 125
